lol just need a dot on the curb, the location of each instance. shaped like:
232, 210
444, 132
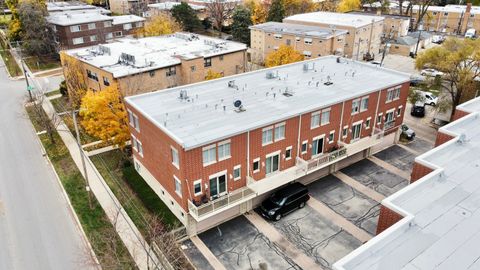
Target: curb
67, 199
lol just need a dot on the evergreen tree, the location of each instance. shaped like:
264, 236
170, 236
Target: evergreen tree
276, 12
186, 16
241, 21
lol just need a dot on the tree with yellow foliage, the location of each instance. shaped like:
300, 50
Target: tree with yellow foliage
212, 75
160, 25
75, 79
348, 5
284, 55
258, 10
293, 7
103, 115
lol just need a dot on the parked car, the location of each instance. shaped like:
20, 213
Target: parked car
438, 39
408, 132
415, 81
471, 33
284, 201
418, 109
430, 99
431, 72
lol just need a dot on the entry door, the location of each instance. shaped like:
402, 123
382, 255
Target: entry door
272, 163
218, 186
356, 131
317, 146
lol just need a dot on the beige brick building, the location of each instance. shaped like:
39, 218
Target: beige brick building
311, 41
364, 32
155, 63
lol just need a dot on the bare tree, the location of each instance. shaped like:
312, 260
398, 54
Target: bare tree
422, 11
220, 12
41, 118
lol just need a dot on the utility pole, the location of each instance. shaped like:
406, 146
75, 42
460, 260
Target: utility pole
418, 41
29, 88
358, 47
87, 185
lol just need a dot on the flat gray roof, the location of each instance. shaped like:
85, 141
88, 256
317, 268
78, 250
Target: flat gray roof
169, 5
126, 19
209, 115
77, 17
441, 227
334, 18
152, 53
298, 29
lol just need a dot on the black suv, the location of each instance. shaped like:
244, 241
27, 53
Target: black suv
284, 201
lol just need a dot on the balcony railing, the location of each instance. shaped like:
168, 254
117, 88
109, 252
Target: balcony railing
363, 143
389, 125
222, 203
324, 160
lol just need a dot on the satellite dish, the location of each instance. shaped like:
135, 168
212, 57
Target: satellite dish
237, 103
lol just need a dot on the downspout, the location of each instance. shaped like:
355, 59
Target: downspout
340, 129
248, 155
298, 136
376, 112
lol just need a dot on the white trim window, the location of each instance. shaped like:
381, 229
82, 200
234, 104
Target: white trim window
75, 28
267, 135
345, 132
279, 132
356, 106
364, 104
317, 145
133, 119
209, 155
224, 150
77, 41
308, 41
304, 147
93, 38
272, 162
315, 120
237, 174
368, 122
92, 26
325, 119
379, 118
331, 137
356, 130
108, 36
178, 186
393, 94
127, 26
107, 24
399, 111
288, 153
256, 165
137, 145
277, 36
175, 159
197, 187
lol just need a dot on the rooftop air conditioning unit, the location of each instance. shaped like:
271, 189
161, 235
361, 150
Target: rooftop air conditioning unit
270, 75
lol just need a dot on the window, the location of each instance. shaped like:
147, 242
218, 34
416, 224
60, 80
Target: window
92, 75
345, 131
379, 119
307, 54
138, 24
279, 132
91, 26
93, 38
137, 145
308, 41
272, 163
315, 120
127, 26
389, 117
236, 172
224, 150
171, 71
107, 24
197, 187
256, 165
77, 41
209, 155
106, 82
193, 68
118, 34
54, 28
367, 123
178, 186
207, 62
220, 57
75, 28
288, 153
364, 104
288, 42
108, 36
304, 147
133, 119
393, 94
355, 106
331, 137
277, 36
325, 117
399, 111
151, 73
267, 136
297, 39
356, 131
175, 159
317, 146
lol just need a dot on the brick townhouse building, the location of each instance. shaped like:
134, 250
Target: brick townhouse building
154, 63
213, 150
76, 29
433, 222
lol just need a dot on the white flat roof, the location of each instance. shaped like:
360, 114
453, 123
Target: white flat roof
170, 5
297, 29
126, 19
441, 227
153, 52
77, 17
209, 114
451, 8
333, 18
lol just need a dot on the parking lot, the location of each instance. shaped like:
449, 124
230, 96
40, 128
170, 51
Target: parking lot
341, 214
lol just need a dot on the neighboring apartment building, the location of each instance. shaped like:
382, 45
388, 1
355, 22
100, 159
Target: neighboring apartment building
364, 32
165, 7
154, 63
216, 149
80, 29
394, 26
311, 41
410, 44
70, 6
434, 222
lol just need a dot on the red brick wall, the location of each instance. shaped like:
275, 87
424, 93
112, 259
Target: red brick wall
349, 119
442, 138
459, 114
394, 104
419, 171
386, 219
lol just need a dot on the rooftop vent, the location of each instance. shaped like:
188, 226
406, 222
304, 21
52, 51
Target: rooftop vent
126, 58
307, 66
238, 106
104, 49
183, 95
231, 84
328, 82
287, 93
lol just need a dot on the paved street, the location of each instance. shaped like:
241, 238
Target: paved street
37, 230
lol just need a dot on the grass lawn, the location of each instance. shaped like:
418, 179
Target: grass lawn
8, 59
52, 93
5, 19
36, 63
135, 195
98, 229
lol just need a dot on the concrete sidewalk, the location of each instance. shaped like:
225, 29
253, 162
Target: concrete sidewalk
125, 227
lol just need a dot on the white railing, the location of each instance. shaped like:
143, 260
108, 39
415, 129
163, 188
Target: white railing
324, 160
221, 203
389, 125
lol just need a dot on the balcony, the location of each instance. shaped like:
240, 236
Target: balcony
223, 203
359, 145
389, 125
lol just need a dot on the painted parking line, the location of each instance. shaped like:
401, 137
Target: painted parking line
338, 220
390, 168
416, 153
207, 253
360, 187
290, 249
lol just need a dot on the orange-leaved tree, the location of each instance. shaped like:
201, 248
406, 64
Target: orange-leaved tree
284, 55
103, 115
348, 5
160, 25
212, 75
